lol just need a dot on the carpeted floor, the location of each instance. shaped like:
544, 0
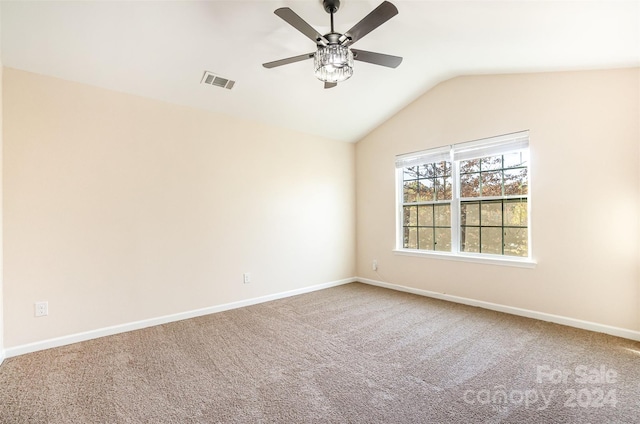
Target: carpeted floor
349, 354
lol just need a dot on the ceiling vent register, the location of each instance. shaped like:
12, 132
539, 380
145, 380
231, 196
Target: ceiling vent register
210, 78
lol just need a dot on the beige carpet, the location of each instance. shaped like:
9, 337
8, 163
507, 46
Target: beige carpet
350, 354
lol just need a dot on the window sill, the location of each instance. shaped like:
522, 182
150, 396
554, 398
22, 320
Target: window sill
484, 259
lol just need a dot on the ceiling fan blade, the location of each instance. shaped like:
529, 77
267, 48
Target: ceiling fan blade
377, 58
330, 84
373, 20
298, 23
288, 60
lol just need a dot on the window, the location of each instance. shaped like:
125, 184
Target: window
469, 199
427, 192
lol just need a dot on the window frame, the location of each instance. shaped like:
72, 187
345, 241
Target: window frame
492, 146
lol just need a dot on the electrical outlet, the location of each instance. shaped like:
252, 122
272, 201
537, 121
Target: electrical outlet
42, 309
246, 277
374, 265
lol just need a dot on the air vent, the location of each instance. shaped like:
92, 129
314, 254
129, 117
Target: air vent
210, 78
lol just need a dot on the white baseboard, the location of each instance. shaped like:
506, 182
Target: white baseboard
122, 328
1, 356
571, 322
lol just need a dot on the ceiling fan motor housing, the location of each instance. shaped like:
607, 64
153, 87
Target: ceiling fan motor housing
333, 37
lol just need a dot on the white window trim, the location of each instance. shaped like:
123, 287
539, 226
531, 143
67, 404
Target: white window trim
503, 143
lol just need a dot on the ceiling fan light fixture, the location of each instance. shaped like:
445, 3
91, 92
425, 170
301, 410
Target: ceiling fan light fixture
333, 63
333, 58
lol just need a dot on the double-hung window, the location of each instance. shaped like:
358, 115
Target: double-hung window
469, 199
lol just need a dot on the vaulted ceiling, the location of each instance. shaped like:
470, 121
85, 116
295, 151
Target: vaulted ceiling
161, 49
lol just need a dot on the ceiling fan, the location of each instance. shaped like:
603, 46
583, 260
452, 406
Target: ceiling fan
333, 59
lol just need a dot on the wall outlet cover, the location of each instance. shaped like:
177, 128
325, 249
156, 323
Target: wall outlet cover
42, 309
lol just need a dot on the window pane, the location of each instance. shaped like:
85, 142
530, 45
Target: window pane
410, 191
411, 173
424, 170
512, 160
443, 168
448, 188
425, 215
470, 185
443, 239
491, 162
470, 213
515, 182
425, 238
443, 188
491, 213
442, 215
410, 216
470, 239
492, 183
515, 241
425, 190
469, 166
410, 238
429, 170
491, 241
515, 213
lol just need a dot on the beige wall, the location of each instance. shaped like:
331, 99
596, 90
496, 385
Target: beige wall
120, 208
584, 138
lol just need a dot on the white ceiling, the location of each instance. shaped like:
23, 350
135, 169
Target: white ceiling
161, 49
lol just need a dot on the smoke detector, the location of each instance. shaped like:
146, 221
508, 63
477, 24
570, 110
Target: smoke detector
210, 78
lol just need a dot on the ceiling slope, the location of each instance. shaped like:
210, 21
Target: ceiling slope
161, 49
